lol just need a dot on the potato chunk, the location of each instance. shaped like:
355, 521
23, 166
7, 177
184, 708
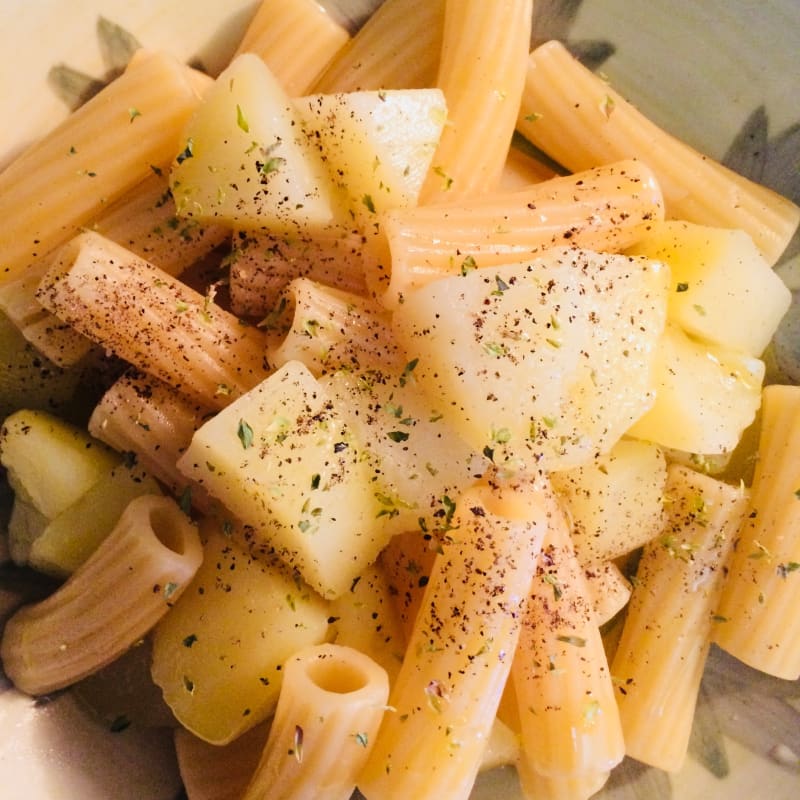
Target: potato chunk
543, 362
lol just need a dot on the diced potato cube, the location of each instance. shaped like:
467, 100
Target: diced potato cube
218, 654
378, 145
541, 363
283, 459
247, 163
705, 396
24, 525
614, 502
723, 290
51, 463
419, 463
72, 536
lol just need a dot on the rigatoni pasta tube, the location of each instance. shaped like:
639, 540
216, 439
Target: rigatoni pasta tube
328, 329
397, 48
111, 601
153, 321
141, 415
331, 704
63, 181
579, 120
459, 654
604, 209
296, 39
536, 786
759, 620
263, 265
482, 74
144, 221
568, 715
659, 661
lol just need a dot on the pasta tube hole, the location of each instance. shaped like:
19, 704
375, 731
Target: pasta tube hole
332, 674
169, 524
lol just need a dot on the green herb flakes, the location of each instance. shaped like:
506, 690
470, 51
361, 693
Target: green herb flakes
241, 120
245, 434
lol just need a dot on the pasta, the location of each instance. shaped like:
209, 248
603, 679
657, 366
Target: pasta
604, 209
660, 657
754, 626
445, 697
330, 694
582, 122
426, 413
568, 716
397, 48
482, 73
147, 317
296, 39
75, 631
44, 196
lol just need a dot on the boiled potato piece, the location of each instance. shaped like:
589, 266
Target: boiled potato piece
541, 363
24, 525
218, 654
419, 463
615, 501
283, 459
73, 535
51, 463
246, 161
377, 144
723, 290
705, 396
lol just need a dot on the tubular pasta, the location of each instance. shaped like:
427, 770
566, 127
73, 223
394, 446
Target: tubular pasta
331, 704
111, 601
536, 786
660, 658
262, 265
521, 170
139, 414
144, 221
153, 321
580, 121
759, 621
331, 329
446, 695
61, 183
296, 39
397, 48
482, 74
606, 209
567, 712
